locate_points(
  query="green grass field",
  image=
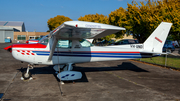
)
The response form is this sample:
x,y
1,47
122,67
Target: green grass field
x,y
171,61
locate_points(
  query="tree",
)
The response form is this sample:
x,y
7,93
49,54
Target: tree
x,y
57,21
135,19
118,18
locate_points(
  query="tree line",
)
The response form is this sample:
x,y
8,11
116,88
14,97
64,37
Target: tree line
x,y
140,20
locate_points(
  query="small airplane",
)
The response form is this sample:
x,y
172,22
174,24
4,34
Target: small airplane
x,y
66,45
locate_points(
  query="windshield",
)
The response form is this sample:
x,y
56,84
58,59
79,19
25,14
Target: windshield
x,y
44,40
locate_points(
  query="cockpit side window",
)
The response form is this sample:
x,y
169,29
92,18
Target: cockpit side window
x,y
44,40
64,44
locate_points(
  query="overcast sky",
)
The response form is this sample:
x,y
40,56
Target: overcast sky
x,y
35,13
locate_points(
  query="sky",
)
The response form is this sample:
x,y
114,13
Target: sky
x,y
35,13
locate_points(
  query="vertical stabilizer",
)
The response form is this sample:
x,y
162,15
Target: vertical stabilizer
x,y
156,40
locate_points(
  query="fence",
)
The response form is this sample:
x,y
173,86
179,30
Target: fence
x,y
170,61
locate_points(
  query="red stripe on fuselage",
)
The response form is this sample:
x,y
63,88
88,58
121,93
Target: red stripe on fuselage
x,y
36,45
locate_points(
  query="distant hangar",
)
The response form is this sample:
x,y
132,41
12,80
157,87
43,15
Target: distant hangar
x,y
7,29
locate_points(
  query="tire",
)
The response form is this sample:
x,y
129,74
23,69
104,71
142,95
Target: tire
x,y
25,75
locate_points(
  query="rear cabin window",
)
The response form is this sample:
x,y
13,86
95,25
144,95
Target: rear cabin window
x,y
84,43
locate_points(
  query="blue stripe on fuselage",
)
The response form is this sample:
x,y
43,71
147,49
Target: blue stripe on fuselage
x,y
108,56
89,54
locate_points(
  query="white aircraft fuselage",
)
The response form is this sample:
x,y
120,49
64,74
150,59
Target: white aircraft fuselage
x,y
39,53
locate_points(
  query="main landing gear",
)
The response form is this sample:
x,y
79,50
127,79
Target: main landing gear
x,y
67,74
27,74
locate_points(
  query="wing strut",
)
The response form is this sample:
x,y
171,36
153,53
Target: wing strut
x,y
52,49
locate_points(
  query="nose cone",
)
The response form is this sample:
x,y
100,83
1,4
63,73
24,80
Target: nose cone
x,y
8,48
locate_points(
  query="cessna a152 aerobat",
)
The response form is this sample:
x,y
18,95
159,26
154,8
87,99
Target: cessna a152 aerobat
x,y
66,45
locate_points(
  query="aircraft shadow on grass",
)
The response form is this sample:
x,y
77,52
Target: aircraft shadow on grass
x,y
83,70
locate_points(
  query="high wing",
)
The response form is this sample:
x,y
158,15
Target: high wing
x,y
83,30
75,30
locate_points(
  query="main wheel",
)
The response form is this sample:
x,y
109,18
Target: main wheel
x,y
26,75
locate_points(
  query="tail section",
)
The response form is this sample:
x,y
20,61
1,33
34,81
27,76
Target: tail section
x,y
156,40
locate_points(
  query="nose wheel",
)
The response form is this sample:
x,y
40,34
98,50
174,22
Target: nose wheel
x,y
27,74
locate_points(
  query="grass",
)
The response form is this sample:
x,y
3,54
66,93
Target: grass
x,y
171,61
